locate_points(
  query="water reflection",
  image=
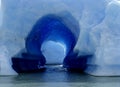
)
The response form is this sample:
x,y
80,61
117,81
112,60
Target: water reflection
x,y
57,74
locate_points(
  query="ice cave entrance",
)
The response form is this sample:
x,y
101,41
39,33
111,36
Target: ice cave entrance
x,y
51,38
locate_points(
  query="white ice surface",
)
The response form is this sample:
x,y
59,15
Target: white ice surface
x,y
5,62
0,14
99,22
105,38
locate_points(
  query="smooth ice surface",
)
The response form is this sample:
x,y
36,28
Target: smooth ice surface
x,y
0,14
99,29
54,52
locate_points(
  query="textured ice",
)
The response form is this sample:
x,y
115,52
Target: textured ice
x,y
5,62
105,38
98,21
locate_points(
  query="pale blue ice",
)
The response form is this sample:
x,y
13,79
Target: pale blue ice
x,y
99,22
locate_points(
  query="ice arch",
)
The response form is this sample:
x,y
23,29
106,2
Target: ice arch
x,y
51,37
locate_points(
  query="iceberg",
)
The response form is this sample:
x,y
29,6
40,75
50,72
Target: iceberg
x,y
105,37
94,24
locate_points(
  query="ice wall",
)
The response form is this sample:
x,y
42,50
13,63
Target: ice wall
x,y
106,39
0,14
20,17
98,21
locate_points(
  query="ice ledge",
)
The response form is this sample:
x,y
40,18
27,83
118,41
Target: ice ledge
x,y
104,70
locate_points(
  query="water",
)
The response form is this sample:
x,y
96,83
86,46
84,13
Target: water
x,y
58,77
